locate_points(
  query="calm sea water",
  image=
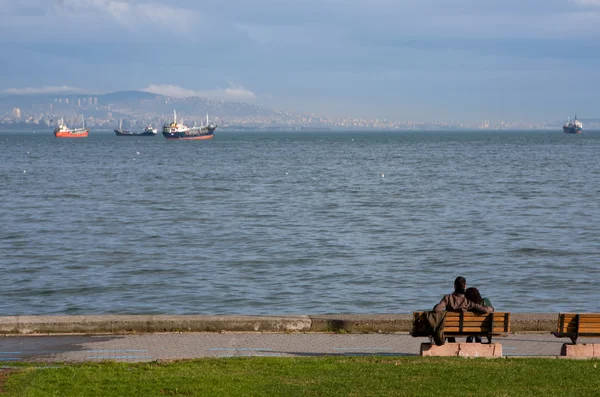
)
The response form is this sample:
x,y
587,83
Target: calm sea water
x,y
298,223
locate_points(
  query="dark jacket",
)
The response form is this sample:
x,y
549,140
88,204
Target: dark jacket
x,y
437,321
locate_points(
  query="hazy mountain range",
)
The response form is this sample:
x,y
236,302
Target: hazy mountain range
x,y
140,108
134,101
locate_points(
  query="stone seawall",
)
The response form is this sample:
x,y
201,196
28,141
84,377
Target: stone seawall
x,y
351,323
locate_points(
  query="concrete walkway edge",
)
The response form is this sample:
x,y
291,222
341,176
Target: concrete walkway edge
x,y
351,323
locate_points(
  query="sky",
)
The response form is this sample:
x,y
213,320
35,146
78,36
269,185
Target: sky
x,y
419,60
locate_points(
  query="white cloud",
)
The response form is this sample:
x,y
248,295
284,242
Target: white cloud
x,y
170,90
236,92
233,92
132,13
587,2
22,8
43,90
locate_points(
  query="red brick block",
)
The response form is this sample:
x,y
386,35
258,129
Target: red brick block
x,y
462,350
583,350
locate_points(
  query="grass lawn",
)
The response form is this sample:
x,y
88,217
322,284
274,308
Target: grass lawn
x,y
322,376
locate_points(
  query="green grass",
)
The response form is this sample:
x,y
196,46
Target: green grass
x,y
324,376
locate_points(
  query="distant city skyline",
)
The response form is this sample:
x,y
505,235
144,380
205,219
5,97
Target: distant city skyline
x,y
136,108
436,60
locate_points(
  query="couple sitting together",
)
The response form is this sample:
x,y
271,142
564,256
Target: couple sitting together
x,y
463,300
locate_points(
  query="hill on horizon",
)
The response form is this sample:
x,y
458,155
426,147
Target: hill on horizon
x,y
134,101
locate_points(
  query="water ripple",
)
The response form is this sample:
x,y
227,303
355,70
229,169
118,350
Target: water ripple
x,y
265,223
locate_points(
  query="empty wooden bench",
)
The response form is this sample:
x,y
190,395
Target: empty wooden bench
x,y
465,324
575,326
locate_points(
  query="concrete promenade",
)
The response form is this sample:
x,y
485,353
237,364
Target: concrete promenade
x,y
54,339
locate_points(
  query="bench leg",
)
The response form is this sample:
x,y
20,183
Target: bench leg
x,y
473,339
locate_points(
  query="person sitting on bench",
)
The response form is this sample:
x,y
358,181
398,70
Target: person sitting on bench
x,y
472,294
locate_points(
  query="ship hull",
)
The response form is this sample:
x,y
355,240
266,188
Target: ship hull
x,y
572,130
71,134
129,133
189,135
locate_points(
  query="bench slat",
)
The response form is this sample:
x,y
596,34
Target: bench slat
x,y
496,327
581,328
456,332
478,330
590,330
589,320
468,320
580,314
587,316
471,314
583,321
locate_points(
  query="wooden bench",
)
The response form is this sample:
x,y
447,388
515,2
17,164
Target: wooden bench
x,y
574,326
465,324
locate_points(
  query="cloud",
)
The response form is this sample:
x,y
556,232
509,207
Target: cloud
x,y
233,92
236,92
131,14
303,50
22,8
170,90
42,90
595,3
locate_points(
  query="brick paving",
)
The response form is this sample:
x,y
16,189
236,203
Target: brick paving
x,y
176,346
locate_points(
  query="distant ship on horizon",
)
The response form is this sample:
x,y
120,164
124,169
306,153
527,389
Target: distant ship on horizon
x,y
62,131
174,130
148,131
573,126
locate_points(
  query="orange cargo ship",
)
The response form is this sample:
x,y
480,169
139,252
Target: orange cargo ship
x,y
62,131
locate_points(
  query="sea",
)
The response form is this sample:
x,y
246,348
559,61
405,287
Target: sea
x,y
284,223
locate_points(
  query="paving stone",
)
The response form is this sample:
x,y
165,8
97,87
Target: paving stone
x,y
177,346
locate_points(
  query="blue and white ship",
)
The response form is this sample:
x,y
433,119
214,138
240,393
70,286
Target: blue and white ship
x,y
573,127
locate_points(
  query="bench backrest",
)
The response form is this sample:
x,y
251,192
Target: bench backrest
x,y
468,323
582,324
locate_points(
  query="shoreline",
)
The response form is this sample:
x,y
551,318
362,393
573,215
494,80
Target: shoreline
x,y
342,323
